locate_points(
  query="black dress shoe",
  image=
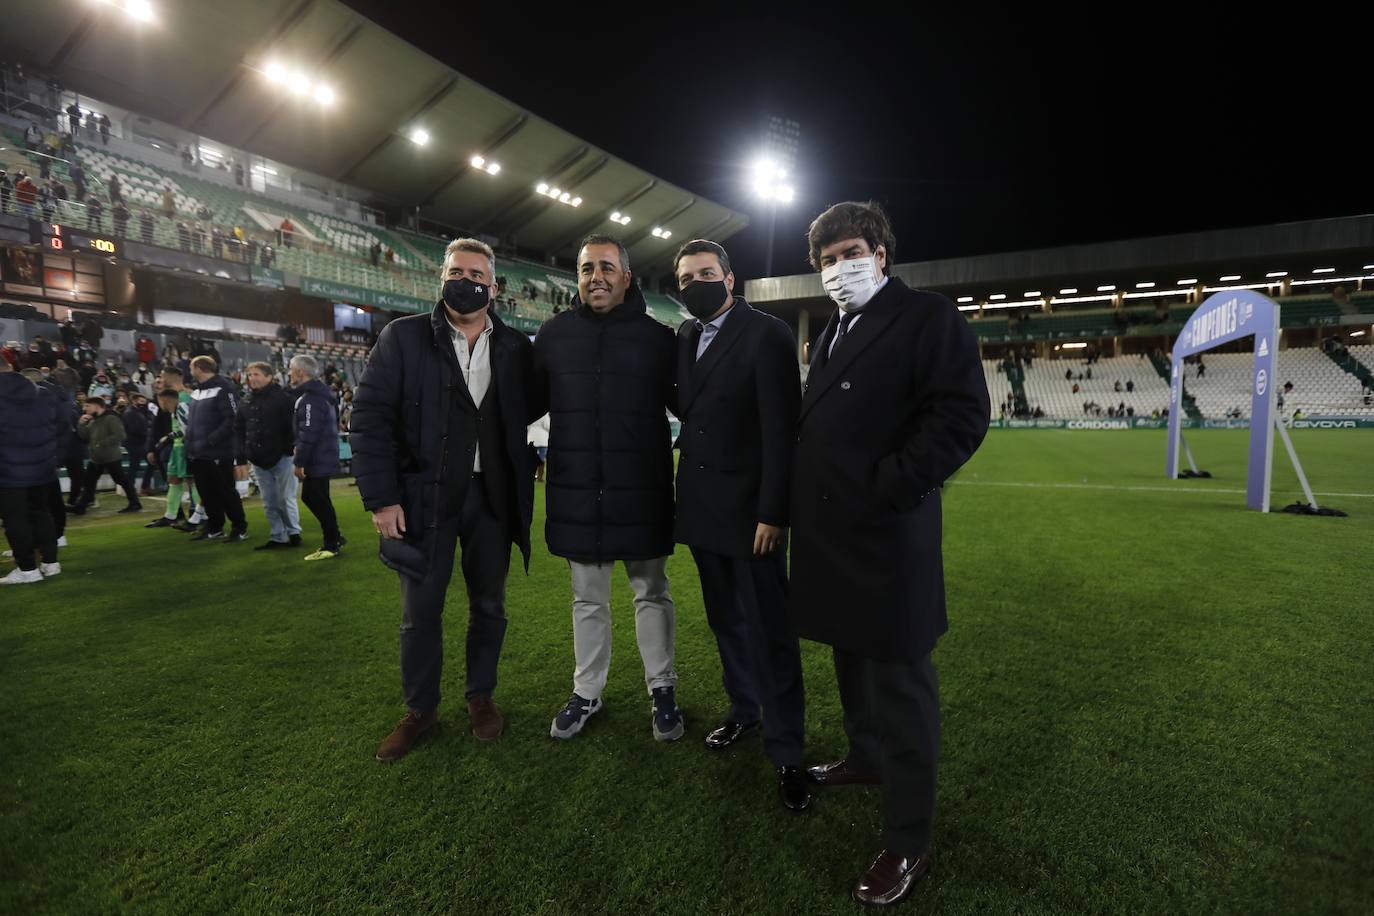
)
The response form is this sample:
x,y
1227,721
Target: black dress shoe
x,y
163,522
839,773
727,733
131,507
794,789
890,878
236,536
204,534
295,540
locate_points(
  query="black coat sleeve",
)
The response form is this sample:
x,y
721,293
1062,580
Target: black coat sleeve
x,y
537,393
377,432
777,381
227,407
952,409
241,433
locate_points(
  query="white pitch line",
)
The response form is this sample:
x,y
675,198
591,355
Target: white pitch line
x,y
1101,486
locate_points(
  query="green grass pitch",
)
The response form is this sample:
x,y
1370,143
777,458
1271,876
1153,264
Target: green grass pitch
x,y
1154,701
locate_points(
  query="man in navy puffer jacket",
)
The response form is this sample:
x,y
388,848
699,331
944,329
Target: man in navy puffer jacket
x,y
211,451
317,449
28,463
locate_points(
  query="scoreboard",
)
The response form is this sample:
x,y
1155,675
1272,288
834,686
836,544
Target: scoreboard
x,y
79,241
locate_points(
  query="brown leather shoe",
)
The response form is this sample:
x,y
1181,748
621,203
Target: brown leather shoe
x,y
487,721
829,775
404,736
890,878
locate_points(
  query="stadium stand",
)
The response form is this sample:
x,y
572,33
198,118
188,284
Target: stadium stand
x,y
1048,390
1320,387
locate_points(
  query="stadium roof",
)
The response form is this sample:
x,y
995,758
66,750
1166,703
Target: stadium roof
x,y
1302,251
201,65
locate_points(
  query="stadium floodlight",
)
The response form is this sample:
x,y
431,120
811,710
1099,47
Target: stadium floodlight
x,y
139,10
1368,267
1068,292
577,201
1276,273
768,181
667,234
997,297
323,94
1192,282
1144,286
298,83
1106,289
275,72
477,162
419,136
554,192
1323,270
1357,333
1031,293
655,232
965,298
621,218
1229,278
968,308
1074,346
542,187
564,197
493,168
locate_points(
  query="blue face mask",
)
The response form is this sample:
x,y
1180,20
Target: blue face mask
x,y
464,296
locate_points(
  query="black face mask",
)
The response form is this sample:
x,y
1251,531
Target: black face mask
x,y
464,296
704,298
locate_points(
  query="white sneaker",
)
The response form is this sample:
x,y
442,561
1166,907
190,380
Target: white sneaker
x,y
22,577
49,569
62,541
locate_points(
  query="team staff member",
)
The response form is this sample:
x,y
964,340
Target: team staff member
x,y
439,452
738,396
317,449
211,451
606,368
895,403
29,418
265,430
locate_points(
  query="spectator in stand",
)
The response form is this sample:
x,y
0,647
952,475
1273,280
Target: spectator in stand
x,y
188,158
47,201
1130,386
1201,368
317,450
216,242
287,231
29,418
6,191
269,256
74,117
121,219
33,138
390,257
374,252
135,418
114,189
146,350
101,430
265,428
211,451
25,194
102,386
78,177
238,173
169,203
95,214
104,120
145,225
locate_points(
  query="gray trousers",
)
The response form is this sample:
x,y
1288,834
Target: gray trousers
x,y
655,623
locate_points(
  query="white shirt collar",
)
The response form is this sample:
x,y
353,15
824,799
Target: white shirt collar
x,y
454,329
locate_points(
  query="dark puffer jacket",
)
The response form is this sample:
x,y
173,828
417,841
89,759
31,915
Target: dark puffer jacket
x,y
28,433
265,425
317,429
610,381
211,432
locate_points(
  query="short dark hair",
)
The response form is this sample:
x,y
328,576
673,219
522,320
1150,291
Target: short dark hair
x,y
852,220
703,246
168,393
597,238
96,400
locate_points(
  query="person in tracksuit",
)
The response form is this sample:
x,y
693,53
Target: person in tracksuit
x,y
317,449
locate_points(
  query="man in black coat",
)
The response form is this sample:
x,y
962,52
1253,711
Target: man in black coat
x,y
738,396
894,404
607,370
211,452
265,430
438,437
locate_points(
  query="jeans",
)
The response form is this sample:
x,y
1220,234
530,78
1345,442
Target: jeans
x,y
278,486
655,623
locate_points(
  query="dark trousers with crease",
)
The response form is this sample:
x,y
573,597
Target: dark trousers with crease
x,y
760,658
28,524
218,493
315,495
484,536
892,719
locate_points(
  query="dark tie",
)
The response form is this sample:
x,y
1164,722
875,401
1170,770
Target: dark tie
x,y
845,321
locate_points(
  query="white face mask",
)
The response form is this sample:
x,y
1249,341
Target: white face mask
x,y
851,283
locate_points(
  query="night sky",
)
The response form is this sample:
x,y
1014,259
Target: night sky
x,y
978,134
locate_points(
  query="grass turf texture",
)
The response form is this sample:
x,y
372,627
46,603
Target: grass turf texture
x,y
1153,702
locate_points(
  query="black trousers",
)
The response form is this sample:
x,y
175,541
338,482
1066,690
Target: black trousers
x,y
485,539
75,479
218,495
760,658
57,508
892,718
28,524
117,474
315,495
